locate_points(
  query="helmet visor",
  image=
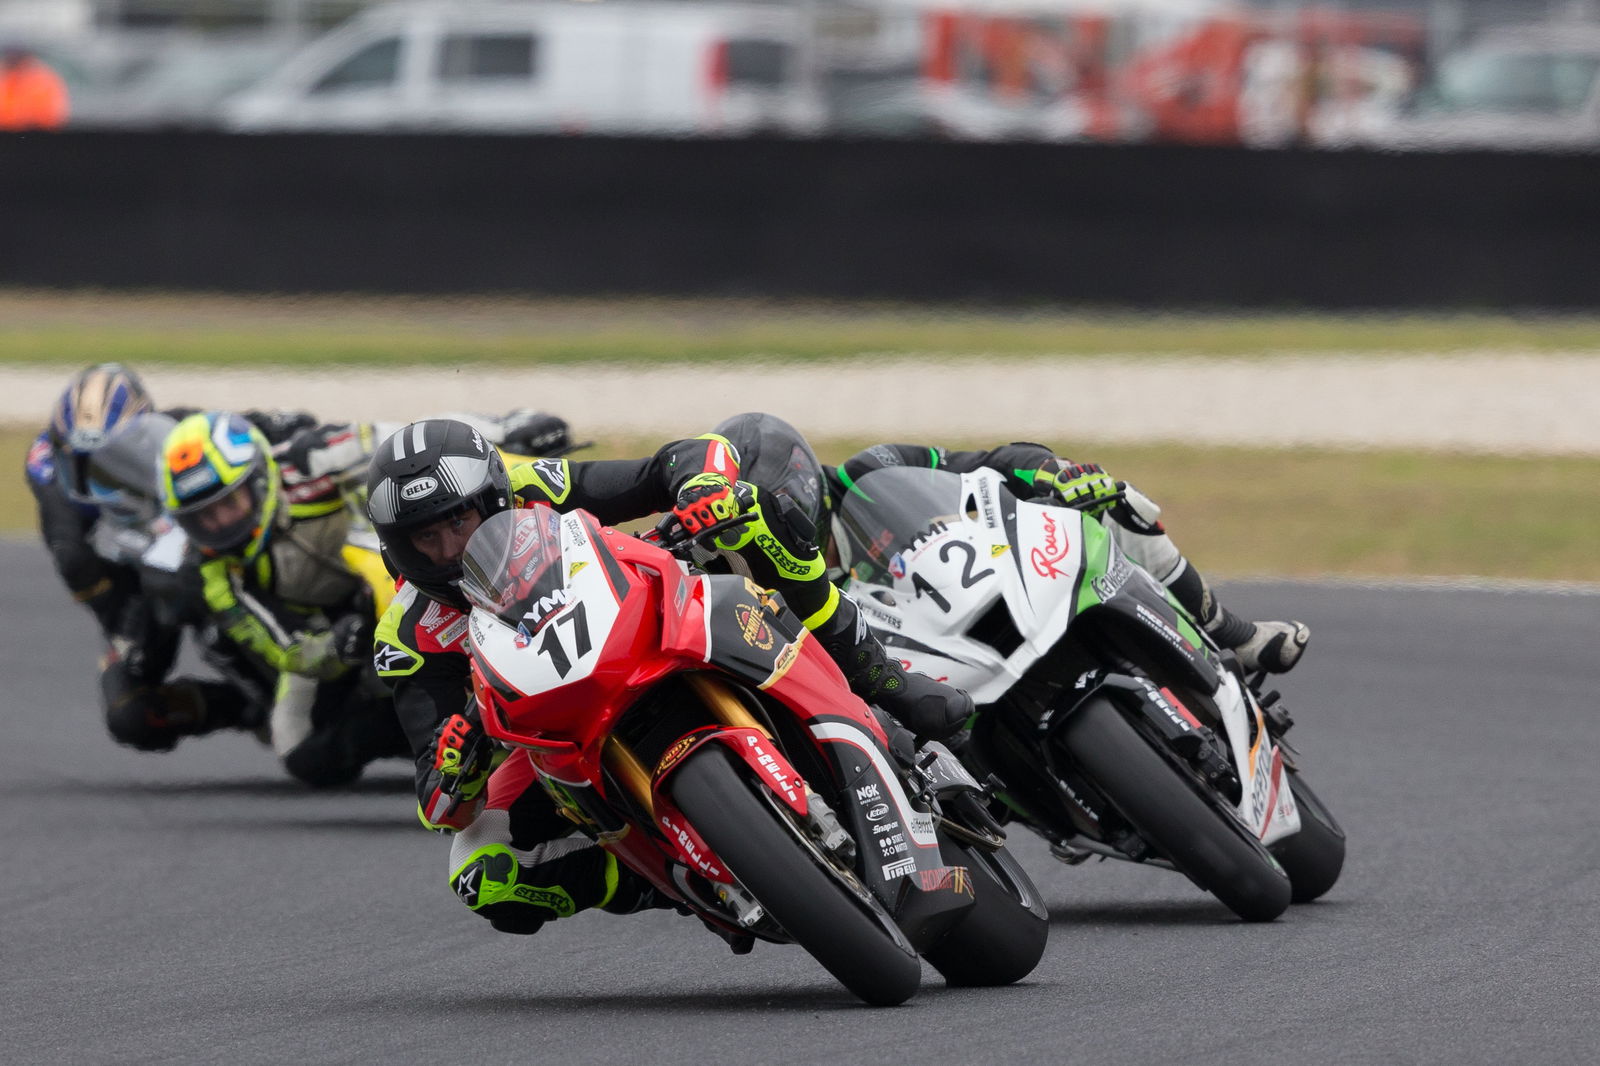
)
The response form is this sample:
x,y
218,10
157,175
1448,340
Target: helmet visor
x,y
125,474
226,523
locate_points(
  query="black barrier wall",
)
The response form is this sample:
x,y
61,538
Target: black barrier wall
x,y
1143,226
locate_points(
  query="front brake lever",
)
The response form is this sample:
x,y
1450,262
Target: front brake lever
x,y
673,537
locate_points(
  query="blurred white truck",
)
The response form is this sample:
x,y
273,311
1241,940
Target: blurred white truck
x,y
1519,87
607,66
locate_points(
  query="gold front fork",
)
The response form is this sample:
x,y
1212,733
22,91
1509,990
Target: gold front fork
x,y
724,707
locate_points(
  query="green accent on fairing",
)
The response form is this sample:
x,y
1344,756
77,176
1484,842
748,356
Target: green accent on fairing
x,y
552,898
526,475
850,486
1186,625
1016,805
388,632
1096,561
612,880
826,611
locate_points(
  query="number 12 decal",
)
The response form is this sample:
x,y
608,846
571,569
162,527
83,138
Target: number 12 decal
x,y
968,578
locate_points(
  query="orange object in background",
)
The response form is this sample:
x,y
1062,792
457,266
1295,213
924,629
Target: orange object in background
x,y
32,96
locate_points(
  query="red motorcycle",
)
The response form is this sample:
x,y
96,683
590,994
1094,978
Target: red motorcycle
x,y
688,723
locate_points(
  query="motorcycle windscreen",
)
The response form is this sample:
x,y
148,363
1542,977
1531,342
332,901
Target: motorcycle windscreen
x,y
123,474
512,565
887,513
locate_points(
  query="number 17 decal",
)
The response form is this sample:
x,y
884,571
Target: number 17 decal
x,y
551,644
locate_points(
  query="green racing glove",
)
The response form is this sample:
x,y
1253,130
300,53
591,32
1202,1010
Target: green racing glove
x,y
1084,486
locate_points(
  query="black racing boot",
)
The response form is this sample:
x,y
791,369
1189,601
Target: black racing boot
x,y
929,709
1271,646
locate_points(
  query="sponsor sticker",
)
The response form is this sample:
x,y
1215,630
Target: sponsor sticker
x,y
900,868
1054,549
389,658
670,757
419,487
753,626
453,632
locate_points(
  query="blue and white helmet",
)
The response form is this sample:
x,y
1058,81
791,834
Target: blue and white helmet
x,y
98,402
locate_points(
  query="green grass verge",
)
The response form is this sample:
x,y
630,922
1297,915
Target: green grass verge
x,y
72,329
1238,511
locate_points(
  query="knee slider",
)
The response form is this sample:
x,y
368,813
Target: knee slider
x,y
135,714
135,720
315,765
491,885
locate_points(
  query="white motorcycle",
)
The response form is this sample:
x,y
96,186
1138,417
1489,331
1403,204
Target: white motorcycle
x,y
1108,721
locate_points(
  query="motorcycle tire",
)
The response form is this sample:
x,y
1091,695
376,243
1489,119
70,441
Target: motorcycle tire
x,y
1002,938
1166,807
865,951
1314,856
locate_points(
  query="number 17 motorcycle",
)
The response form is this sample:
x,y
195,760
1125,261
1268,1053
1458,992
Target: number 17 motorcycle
x,y
1107,720
688,723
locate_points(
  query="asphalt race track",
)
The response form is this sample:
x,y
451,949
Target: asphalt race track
x,y
198,907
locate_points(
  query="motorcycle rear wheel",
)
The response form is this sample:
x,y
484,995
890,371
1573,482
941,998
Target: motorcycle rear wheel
x,y
865,951
1313,857
1211,847
1002,938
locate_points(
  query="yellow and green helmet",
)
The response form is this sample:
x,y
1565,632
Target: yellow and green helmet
x,y
220,482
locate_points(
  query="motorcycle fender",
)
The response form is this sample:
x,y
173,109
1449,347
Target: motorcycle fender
x,y
766,762
1268,806
1142,613
686,844
1138,694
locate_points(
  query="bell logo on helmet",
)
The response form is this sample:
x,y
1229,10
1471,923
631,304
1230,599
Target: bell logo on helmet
x,y
418,487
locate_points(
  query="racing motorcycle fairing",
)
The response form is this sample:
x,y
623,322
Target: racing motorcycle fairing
x,y
970,585
573,624
979,594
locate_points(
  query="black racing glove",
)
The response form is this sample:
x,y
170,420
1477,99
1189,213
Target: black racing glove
x,y
352,639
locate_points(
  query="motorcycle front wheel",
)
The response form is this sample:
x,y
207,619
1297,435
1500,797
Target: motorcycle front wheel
x,y
853,938
1164,804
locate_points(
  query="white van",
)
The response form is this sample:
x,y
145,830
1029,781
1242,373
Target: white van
x,y
1517,88
608,66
